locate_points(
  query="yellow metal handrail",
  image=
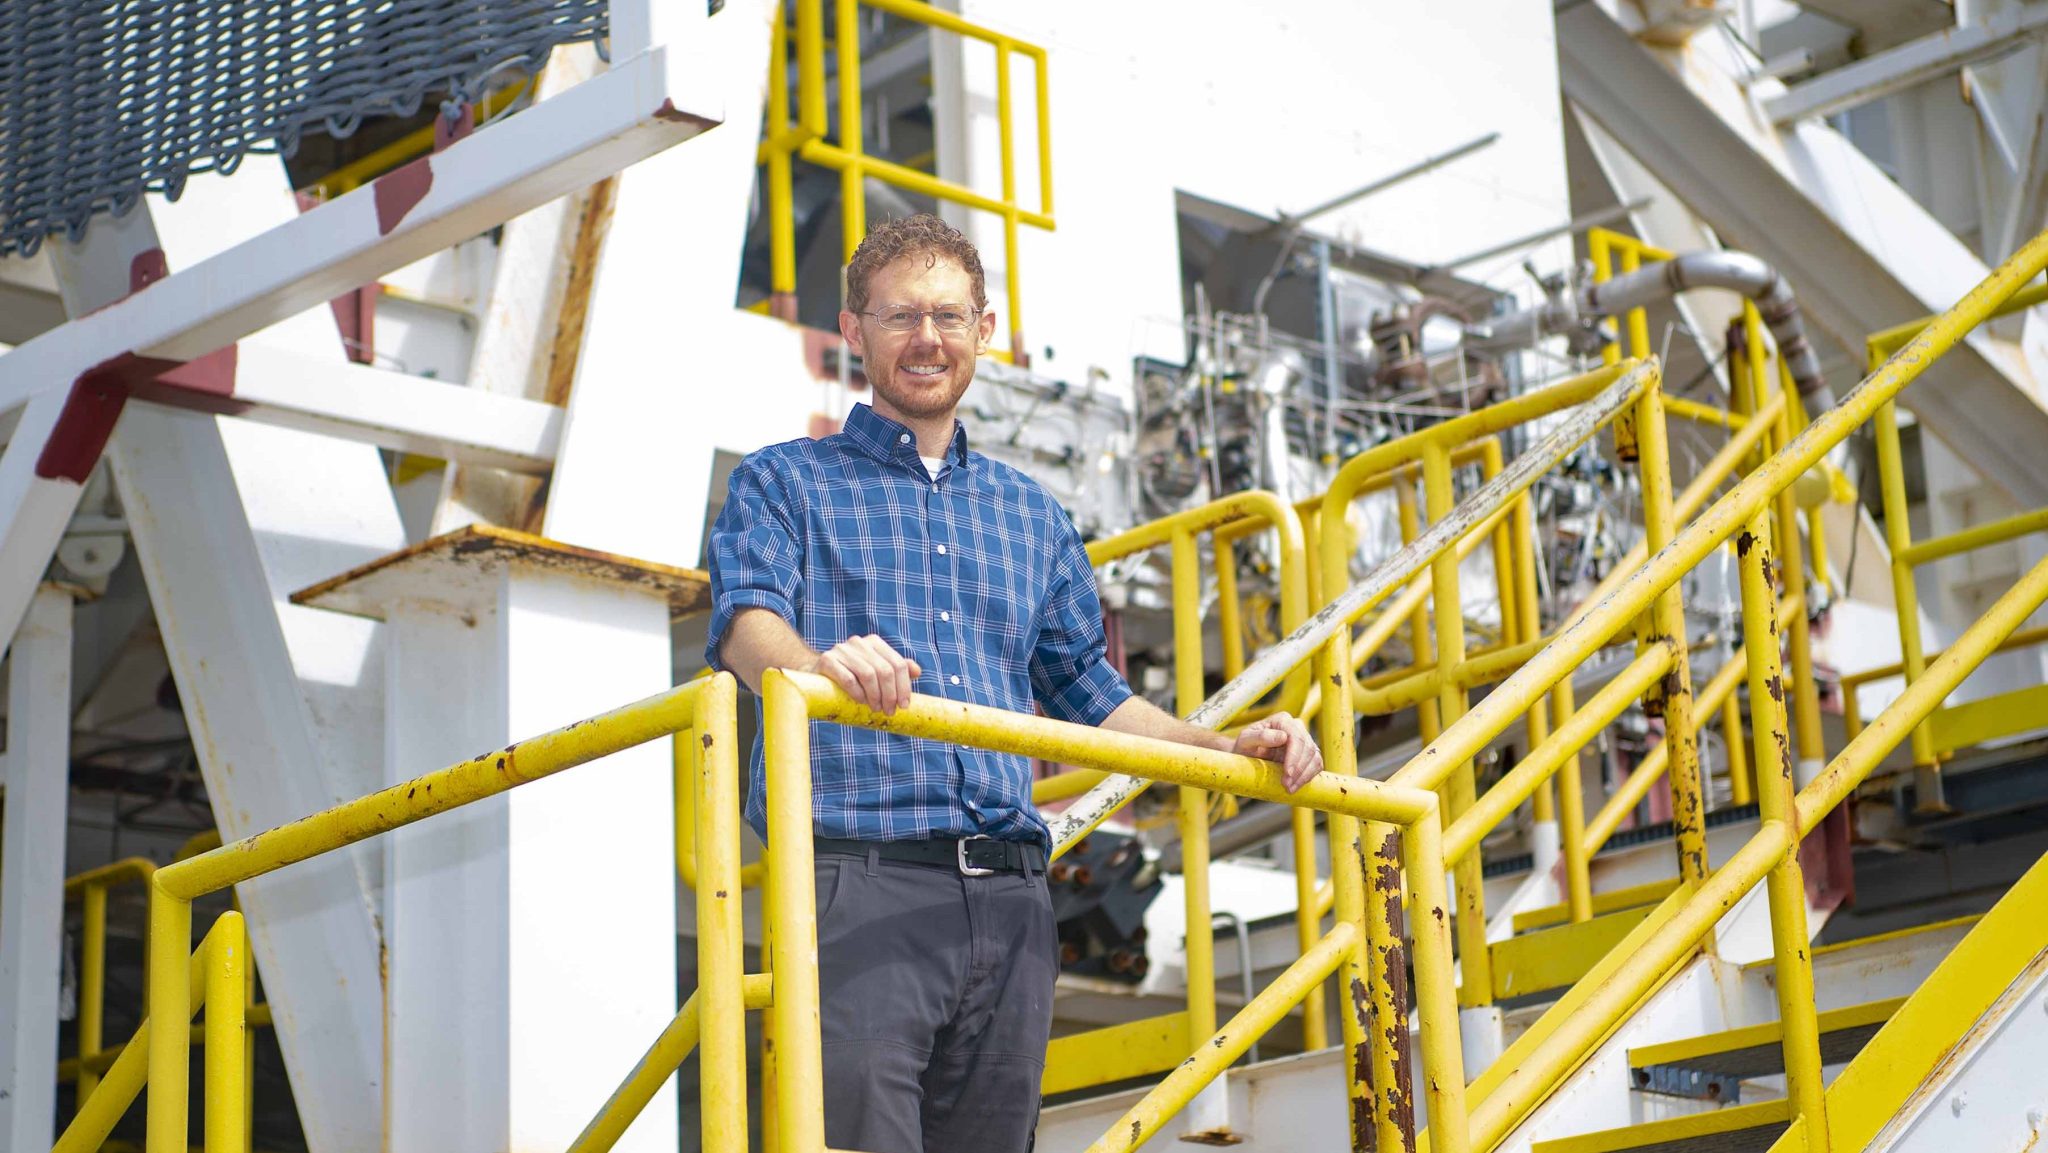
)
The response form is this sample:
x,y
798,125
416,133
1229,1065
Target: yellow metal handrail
x,y
792,700
706,706
215,978
1539,1061
785,140
90,890
1226,519
2020,713
1431,448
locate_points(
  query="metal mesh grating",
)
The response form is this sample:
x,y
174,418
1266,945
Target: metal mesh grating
x,y
103,100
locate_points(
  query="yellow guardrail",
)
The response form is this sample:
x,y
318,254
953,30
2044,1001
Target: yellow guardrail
x,y
2005,714
793,700
89,891
804,138
1540,1060
160,1056
1225,520
1751,377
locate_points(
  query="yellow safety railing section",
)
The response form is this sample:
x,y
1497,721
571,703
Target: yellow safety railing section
x,y
1948,729
1104,1055
1540,1060
1751,377
216,975
805,138
793,700
88,890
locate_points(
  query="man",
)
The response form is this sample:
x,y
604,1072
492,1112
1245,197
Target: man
x,y
891,559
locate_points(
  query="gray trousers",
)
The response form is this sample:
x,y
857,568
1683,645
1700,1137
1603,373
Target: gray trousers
x,y
935,991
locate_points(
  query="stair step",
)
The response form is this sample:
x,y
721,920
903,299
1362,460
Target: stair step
x,y
1734,1129
1931,927
1619,899
1556,958
1713,1064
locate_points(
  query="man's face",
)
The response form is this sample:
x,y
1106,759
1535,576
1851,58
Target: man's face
x,y
920,374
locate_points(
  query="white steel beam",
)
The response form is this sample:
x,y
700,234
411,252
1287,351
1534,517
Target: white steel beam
x,y
38,777
273,385
693,199
312,929
1862,256
1909,65
642,106
527,316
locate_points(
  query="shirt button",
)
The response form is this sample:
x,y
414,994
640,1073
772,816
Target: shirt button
x,y
945,616
956,680
942,550
904,439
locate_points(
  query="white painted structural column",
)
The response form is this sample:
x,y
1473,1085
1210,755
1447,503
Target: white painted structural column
x,y
531,938
38,773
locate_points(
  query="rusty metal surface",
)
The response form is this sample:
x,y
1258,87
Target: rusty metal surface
x,y
449,566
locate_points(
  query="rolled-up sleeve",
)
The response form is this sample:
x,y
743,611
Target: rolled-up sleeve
x,y
1070,671
755,554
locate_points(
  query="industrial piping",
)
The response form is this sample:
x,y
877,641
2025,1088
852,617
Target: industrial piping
x,y
1734,271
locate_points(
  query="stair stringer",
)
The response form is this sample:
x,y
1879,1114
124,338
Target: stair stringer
x,y
1989,1093
1958,1065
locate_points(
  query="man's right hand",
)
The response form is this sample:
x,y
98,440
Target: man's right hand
x,y
870,672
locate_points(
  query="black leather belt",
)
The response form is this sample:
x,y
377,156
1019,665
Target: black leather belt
x,y
972,856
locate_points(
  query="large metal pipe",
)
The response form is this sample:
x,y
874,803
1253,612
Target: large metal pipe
x,y
1734,271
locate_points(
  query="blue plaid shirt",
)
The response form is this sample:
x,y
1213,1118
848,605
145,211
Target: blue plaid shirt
x,y
977,575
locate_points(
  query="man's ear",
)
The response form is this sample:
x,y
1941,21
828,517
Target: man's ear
x,y
984,331
849,330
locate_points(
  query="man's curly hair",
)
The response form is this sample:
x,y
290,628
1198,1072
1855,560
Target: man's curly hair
x,y
921,235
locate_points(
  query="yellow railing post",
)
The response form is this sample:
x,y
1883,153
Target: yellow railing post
x,y
1672,698
1906,598
1421,645
1529,614
1741,789
1372,982
1194,803
853,189
170,1004
792,918
721,938
1776,788
227,1091
1803,699
92,987
1460,789
781,191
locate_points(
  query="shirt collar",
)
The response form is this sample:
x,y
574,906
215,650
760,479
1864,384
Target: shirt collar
x,y
887,440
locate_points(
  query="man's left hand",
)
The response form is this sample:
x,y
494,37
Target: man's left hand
x,y
1284,740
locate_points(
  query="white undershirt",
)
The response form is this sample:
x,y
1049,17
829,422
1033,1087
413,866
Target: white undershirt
x,y
932,465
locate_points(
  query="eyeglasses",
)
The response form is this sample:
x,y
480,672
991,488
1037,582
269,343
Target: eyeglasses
x,y
945,318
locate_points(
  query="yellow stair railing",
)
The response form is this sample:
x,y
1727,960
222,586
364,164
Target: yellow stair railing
x,y
1948,729
805,138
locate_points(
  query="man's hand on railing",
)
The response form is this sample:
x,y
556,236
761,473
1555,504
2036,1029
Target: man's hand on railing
x,y
1285,741
870,672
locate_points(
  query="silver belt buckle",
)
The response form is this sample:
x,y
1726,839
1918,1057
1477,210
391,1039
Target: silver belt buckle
x,y
960,854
